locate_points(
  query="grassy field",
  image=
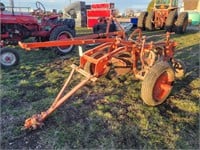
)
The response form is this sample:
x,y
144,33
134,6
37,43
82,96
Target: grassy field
x,y
102,115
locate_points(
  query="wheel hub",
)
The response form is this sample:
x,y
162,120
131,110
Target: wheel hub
x,y
8,59
64,36
162,87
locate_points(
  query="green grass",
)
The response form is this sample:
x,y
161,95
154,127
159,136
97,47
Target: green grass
x,y
102,115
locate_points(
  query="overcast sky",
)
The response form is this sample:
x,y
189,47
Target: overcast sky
x,y
60,4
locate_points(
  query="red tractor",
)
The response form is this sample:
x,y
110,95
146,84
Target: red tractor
x,y
17,26
164,16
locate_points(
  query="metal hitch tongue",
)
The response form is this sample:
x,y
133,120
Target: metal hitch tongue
x,y
37,120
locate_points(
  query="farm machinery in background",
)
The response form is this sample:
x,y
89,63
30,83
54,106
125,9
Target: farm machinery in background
x,y
44,26
164,16
151,62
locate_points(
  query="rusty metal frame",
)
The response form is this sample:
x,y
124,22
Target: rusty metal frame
x,y
113,45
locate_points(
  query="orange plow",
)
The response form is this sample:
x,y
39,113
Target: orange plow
x,y
152,62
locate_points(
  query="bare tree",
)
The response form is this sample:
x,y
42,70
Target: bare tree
x,y
116,12
129,12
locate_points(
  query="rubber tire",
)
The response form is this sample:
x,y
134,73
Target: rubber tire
x,y
69,22
100,28
170,21
148,23
150,80
54,36
182,23
15,54
141,20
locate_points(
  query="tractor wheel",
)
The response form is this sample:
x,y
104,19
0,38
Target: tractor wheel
x,y
141,20
90,67
99,28
182,23
157,84
179,68
149,21
62,33
70,23
8,57
170,21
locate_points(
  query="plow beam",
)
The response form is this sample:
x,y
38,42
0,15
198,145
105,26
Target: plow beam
x,y
90,39
37,120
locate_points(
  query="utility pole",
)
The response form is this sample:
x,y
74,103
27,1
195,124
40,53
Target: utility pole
x,y
11,5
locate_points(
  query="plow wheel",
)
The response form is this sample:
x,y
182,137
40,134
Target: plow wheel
x,y
122,63
179,68
91,67
157,84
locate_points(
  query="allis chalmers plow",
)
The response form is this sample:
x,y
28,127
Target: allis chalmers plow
x,y
151,62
